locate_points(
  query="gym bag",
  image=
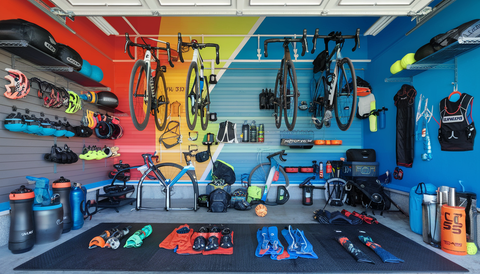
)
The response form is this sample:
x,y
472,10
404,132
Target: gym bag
x,y
36,36
69,56
222,170
219,200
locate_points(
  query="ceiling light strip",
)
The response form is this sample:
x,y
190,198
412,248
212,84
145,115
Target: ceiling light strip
x,y
378,26
103,25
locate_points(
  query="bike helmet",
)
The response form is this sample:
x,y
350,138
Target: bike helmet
x,y
103,130
74,103
15,122
70,131
117,131
60,129
33,124
19,85
83,131
47,128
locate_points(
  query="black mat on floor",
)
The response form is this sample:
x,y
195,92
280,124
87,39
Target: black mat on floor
x,y
75,255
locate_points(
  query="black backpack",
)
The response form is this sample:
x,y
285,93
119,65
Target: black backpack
x,y
219,200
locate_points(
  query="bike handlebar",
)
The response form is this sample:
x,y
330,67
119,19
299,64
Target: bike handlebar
x,y
146,46
337,37
280,155
196,45
286,41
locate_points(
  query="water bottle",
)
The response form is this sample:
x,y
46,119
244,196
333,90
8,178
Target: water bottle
x,y
329,169
261,132
382,118
320,172
245,132
78,197
22,230
63,187
253,132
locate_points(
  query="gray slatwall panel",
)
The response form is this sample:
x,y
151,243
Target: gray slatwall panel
x,y
21,154
236,98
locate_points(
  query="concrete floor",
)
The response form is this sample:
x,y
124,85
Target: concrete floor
x,y
293,211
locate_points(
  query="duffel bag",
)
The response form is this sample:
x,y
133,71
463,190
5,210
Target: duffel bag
x,y
36,36
69,56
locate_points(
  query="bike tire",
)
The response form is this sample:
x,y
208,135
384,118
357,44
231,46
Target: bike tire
x,y
319,100
192,91
259,174
204,107
169,171
277,101
139,94
345,100
290,98
161,101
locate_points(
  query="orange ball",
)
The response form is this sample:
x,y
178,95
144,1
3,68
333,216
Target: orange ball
x,y
261,210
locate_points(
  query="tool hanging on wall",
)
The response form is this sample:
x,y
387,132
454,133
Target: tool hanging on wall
x,y
422,132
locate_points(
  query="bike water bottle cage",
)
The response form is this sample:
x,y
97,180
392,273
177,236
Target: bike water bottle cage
x,y
192,135
19,85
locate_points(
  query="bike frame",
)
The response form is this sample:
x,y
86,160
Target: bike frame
x,y
166,183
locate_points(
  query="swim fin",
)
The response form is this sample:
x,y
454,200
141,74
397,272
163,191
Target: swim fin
x,y
386,256
136,240
356,253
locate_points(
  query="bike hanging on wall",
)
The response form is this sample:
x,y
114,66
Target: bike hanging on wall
x,y
337,88
148,89
286,87
197,94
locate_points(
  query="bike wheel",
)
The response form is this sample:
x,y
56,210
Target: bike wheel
x,y
204,106
318,102
345,101
290,95
259,175
160,103
277,101
192,91
139,95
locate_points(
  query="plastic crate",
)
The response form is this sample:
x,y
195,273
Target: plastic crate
x,y
359,169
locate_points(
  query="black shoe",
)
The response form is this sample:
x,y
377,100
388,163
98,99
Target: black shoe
x,y
212,243
226,241
203,229
215,229
199,243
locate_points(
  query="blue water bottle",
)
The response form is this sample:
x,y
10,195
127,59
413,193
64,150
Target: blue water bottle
x,y
382,118
78,197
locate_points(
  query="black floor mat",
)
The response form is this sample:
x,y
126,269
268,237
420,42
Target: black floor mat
x,y
75,255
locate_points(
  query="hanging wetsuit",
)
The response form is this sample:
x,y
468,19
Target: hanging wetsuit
x,y
457,131
405,140
227,132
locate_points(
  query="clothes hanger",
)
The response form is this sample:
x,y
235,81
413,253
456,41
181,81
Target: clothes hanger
x,y
455,95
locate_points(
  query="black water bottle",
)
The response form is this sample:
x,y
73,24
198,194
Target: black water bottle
x,y
307,195
253,132
63,187
245,132
22,229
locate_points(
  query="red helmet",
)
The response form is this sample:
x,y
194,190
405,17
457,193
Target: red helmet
x,y
18,87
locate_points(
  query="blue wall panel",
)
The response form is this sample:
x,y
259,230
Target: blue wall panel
x,y
446,168
236,97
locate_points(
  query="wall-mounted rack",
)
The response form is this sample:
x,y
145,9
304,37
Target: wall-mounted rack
x,y
436,60
44,61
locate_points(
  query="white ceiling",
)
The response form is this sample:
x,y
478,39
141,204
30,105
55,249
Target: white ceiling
x,y
241,7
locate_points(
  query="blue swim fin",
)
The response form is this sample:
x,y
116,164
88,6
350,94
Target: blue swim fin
x,y
263,242
386,256
298,245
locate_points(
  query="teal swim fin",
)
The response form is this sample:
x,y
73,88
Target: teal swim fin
x,y
136,240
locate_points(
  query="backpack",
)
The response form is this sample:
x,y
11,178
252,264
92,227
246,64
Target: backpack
x,y
223,171
219,200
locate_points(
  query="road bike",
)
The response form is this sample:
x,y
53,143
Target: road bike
x,y
147,89
197,93
286,88
336,89
167,175
269,172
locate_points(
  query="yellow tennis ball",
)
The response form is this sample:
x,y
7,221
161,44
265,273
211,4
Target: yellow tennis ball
x,y
396,67
261,210
408,60
471,248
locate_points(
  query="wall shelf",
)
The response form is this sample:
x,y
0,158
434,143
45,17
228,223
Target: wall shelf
x,y
22,49
436,60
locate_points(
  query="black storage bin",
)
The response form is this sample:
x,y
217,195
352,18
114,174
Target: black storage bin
x,y
361,155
